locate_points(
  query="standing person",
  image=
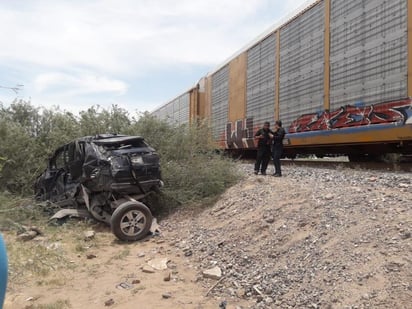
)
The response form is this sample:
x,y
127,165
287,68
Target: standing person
x,y
277,148
264,137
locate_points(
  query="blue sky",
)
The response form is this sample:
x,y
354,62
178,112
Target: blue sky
x,y
137,54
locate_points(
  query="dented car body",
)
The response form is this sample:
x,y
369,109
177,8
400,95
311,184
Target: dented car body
x,y
109,175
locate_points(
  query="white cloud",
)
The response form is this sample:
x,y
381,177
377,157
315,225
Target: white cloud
x,y
77,84
74,105
79,47
115,35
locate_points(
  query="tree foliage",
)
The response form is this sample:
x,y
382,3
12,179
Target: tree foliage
x,y
192,169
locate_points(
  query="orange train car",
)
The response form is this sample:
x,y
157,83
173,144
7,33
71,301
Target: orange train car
x,y
338,74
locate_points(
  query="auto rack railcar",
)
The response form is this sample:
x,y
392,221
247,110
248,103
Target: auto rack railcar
x,y
338,75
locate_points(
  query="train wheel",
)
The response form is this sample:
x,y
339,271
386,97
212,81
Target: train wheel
x,y
391,157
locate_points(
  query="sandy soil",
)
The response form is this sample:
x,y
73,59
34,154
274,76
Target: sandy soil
x,y
116,274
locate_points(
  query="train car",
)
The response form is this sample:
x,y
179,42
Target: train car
x,y
181,110
338,75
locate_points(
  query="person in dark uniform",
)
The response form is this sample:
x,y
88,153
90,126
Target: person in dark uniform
x,y
277,147
264,137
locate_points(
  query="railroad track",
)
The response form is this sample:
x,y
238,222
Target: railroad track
x,y
320,163
342,163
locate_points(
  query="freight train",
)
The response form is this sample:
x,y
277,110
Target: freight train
x,y
338,75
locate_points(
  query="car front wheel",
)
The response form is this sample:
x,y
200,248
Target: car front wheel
x,y
131,221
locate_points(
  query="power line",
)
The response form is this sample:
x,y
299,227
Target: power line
x,y
16,88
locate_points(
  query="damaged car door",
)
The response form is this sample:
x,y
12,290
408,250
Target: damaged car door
x,y
56,183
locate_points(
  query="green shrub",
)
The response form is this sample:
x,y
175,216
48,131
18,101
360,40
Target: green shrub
x,y
192,168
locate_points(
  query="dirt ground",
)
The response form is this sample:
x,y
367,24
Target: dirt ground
x,y
109,273
312,239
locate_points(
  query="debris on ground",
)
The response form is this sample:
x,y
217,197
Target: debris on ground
x,y
148,269
109,302
88,235
158,263
213,273
124,286
27,233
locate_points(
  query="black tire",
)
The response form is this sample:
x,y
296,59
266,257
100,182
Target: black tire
x,y
131,221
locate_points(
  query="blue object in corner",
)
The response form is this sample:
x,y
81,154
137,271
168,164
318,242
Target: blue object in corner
x,y
3,271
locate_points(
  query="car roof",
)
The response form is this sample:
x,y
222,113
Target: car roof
x,y
115,139
104,139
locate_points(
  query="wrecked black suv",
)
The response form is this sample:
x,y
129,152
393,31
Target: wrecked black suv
x,y
106,176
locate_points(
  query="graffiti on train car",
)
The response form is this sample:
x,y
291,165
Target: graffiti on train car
x,y
355,115
239,134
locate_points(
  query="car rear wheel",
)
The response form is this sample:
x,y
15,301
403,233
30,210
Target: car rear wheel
x,y
131,221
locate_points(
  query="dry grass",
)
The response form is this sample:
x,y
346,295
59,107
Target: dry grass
x,y
50,258
32,258
59,304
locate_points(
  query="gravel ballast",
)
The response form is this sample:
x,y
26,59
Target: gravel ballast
x,y
314,238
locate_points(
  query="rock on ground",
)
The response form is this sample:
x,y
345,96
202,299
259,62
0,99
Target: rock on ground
x,y
315,238
213,273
